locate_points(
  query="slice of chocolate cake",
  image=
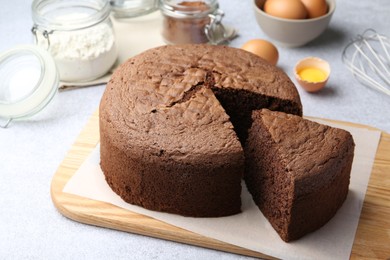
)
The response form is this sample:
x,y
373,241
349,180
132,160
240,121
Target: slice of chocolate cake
x,y
297,171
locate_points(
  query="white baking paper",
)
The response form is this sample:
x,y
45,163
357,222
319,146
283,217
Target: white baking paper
x,y
250,229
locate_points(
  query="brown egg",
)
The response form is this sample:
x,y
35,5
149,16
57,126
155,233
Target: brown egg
x,y
263,49
315,8
288,9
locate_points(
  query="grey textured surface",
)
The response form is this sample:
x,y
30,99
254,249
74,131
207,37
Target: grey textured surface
x,y
31,150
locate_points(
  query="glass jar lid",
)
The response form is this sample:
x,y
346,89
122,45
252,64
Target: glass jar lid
x,y
188,9
29,81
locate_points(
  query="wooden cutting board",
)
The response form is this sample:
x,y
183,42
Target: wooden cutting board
x,y
372,239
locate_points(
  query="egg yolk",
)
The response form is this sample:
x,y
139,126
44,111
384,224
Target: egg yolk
x,y
312,75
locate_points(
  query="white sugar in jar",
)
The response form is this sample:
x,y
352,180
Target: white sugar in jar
x,y
78,34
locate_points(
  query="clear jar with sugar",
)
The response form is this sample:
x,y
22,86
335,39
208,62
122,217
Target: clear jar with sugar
x,y
78,34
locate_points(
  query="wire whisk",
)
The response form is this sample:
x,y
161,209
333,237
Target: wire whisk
x,y
368,58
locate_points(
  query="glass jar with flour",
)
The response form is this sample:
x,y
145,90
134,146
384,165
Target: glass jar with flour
x,y
78,34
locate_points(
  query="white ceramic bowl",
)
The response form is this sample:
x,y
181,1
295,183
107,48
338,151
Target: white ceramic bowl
x,y
292,32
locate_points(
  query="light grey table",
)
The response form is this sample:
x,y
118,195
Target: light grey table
x,y
31,150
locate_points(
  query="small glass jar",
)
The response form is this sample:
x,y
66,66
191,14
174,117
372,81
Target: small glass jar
x,y
78,34
192,21
133,8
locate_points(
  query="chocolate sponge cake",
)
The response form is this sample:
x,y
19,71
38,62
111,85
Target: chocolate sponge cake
x,y
173,120
297,171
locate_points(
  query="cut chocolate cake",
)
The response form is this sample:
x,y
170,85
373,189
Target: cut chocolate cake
x,y
297,171
170,123
180,124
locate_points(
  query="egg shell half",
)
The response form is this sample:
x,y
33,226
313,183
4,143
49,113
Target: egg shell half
x,y
312,62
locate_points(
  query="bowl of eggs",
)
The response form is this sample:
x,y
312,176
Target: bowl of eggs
x,y
293,23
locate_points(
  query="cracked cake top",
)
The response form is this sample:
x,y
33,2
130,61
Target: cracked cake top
x,y
163,98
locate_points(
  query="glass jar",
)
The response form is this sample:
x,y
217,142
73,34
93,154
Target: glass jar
x,y
78,34
192,21
133,8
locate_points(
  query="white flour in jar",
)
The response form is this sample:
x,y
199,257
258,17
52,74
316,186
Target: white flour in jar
x,y
82,55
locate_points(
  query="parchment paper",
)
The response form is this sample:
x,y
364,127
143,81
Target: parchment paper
x,y
250,229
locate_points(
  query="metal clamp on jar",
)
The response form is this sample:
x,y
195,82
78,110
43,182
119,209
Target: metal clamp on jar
x,y
193,22
78,34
